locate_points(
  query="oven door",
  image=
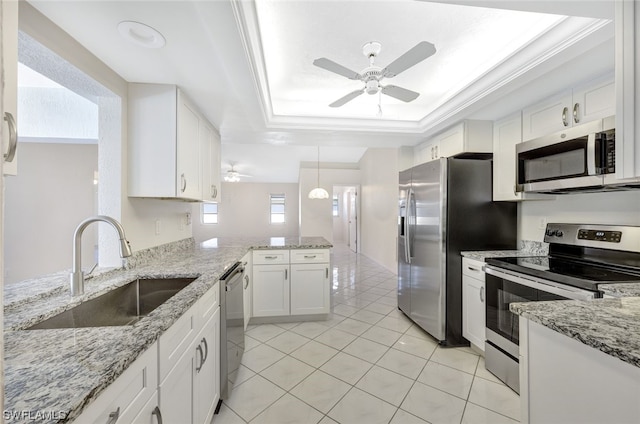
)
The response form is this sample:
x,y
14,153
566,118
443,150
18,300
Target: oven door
x,y
502,332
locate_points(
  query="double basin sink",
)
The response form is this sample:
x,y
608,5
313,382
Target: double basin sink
x,y
125,305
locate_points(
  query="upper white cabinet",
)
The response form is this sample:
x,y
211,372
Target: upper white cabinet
x,y
627,89
210,149
586,103
10,93
469,136
173,151
507,133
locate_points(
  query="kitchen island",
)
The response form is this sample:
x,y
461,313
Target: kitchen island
x,y
55,374
580,360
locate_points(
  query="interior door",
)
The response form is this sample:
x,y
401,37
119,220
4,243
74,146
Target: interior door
x,y
353,220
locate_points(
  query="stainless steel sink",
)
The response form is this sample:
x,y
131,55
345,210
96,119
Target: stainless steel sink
x,y
123,306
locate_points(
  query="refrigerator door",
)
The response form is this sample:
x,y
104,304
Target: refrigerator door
x,y
427,248
404,267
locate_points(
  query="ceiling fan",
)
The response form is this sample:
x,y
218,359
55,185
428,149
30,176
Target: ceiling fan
x,y
372,75
233,176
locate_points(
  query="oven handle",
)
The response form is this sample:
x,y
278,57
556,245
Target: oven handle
x,y
543,285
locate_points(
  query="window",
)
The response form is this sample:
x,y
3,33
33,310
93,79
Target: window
x,y
277,208
209,213
336,210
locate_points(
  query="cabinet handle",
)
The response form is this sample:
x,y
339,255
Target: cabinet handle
x,y
286,273
271,257
199,366
473,269
482,294
206,351
310,256
246,281
113,417
13,137
327,272
436,152
565,111
158,414
576,112
214,191
183,183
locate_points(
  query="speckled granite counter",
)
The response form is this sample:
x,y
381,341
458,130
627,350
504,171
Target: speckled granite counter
x,y
60,371
527,248
621,289
609,325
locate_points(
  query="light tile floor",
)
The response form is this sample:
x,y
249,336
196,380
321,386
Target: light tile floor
x,y
367,364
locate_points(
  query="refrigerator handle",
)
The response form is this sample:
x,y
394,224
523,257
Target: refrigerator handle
x,y
407,223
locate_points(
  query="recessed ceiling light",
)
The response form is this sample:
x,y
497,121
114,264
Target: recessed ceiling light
x,y
141,34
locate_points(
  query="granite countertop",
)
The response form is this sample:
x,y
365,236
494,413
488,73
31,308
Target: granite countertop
x,y
621,289
527,248
609,325
61,371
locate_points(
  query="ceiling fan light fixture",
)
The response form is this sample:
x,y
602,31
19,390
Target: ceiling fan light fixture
x,y
232,177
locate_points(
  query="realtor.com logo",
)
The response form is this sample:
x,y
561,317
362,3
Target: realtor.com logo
x,y
12,415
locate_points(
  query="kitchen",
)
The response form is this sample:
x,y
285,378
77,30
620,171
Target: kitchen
x,y
376,174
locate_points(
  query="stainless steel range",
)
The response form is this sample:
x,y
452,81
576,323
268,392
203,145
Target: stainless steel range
x,y
581,258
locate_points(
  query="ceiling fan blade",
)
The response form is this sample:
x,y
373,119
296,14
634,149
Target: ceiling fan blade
x,y
336,68
346,98
400,93
415,55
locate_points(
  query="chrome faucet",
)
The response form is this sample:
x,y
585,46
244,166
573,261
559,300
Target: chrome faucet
x,y
77,276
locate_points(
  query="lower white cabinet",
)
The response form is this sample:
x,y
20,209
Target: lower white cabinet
x,y
309,289
206,373
473,302
247,287
128,398
270,290
150,413
294,282
176,391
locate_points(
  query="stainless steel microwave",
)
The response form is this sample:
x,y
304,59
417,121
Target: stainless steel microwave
x,y
573,159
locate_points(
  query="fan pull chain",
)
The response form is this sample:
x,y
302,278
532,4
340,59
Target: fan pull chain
x,y
379,103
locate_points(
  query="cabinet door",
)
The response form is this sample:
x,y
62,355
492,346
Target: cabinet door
x,y
270,290
473,311
10,90
176,391
309,289
188,175
548,116
451,142
207,371
247,287
595,101
506,134
210,150
149,414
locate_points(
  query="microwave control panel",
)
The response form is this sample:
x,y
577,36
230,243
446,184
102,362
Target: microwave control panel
x,y
600,235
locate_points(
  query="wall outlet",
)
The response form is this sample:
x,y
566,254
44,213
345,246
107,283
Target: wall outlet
x,y
158,227
542,223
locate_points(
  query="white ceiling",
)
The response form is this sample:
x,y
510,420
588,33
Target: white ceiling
x,y
250,68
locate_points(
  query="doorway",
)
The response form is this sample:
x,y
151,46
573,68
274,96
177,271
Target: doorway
x,y
346,211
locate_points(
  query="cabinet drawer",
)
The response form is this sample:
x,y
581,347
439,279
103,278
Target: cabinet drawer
x,y
129,393
268,257
173,343
473,268
208,305
309,256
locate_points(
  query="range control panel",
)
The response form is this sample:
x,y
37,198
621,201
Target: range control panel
x,y
600,235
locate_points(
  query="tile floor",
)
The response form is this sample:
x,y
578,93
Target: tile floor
x,y
367,364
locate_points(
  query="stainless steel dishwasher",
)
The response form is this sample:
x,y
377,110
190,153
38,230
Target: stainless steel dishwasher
x,y
231,327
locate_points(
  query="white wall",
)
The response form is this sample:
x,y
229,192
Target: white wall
x,y
244,211
138,216
52,193
621,208
315,215
379,199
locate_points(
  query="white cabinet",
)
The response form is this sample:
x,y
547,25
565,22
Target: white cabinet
x,y
210,150
592,101
469,136
189,363
565,381
129,397
290,282
10,89
627,89
247,287
507,133
164,143
473,302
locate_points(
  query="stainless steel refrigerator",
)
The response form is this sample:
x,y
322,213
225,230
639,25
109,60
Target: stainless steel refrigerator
x,y
445,207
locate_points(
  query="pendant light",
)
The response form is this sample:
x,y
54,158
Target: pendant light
x,y
318,192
